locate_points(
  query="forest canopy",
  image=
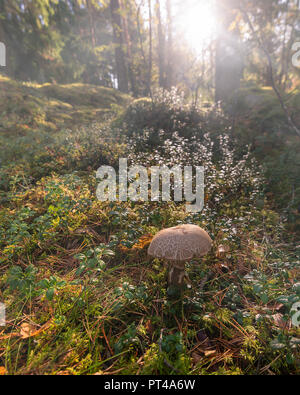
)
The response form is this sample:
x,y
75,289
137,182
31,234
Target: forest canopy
x,y
137,44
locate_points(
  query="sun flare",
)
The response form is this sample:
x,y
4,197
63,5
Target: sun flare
x,y
199,24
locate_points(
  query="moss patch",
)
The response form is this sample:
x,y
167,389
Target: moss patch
x,y
29,107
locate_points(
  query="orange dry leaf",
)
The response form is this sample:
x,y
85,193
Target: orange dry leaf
x,y
29,330
3,371
142,242
139,245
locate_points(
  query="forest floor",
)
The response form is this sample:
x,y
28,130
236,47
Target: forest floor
x,y
81,294
26,107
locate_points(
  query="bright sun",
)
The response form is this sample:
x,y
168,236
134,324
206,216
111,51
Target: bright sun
x,y
199,25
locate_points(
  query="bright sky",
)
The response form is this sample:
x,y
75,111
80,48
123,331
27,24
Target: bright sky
x,y
196,21
198,24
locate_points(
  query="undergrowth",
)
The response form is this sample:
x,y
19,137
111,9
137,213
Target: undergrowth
x,y
81,295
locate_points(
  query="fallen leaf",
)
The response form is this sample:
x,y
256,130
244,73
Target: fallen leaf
x,y
139,245
3,371
142,242
27,330
278,321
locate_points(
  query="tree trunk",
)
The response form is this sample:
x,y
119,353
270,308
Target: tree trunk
x,y
161,47
127,39
169,71
229,62
121,67
150,48
90,9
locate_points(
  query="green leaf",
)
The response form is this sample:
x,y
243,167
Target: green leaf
x,y
43,283
264,298
257,288
50,293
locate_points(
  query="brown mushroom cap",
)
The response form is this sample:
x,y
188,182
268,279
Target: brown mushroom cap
x,y
180,243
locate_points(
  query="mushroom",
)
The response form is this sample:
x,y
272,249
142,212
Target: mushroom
x,y
178,245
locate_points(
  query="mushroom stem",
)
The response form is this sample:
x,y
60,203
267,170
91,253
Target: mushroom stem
x,y
176,275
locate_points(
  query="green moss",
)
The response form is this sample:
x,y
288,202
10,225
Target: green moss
x,y
50,107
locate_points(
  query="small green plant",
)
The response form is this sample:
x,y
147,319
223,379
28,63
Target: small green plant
x,y
128,341
23,281
92,260
50,286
